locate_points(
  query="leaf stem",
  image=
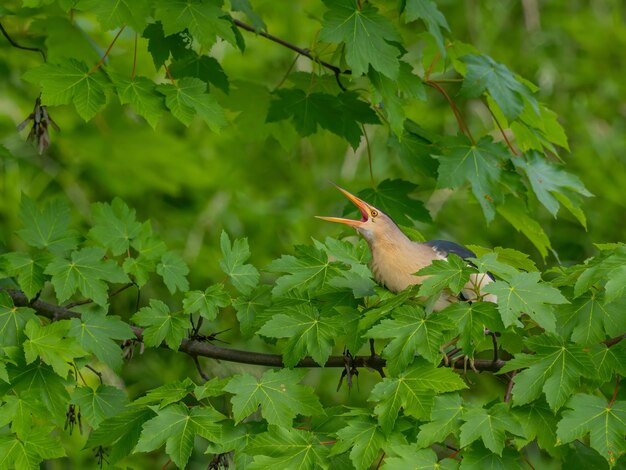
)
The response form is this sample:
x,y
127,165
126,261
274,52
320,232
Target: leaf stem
x,y
506,139
615,392
99,64
369,154
132,77
19,46
457,114
169,75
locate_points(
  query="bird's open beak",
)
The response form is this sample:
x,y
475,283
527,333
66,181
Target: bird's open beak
x,y
362,205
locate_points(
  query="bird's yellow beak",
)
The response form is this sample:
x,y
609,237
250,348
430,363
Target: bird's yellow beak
x,y
363,206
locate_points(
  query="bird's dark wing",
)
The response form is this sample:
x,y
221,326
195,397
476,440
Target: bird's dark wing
x,y
445,247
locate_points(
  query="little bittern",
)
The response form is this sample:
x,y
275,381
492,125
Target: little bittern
x,y
396,259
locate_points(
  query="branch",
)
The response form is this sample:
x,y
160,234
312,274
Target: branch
x,y
304,52
201,348
18,46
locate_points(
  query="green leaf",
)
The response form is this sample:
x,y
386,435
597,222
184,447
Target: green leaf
x,y
47,227
538,422
548,181
604,422
342,115
525,293
307,271
39,383
412,391
206,303
366,35
161,324
114,225
490,426
244,277
98,404
429,13
363,437
477,457
203,67
516,214
590,320
167,394
141,93
51,345
29,271
211,388
412,332
249,307
452,273
188,97
609,361
120,433
287,448
71,81
174,272
178,426
469,320
29,450
479,164
309,333
402,457
392,197
245,7
12,321
504,262
87,271
97,333
204,19
278,394
112,14
445,419
161,46
483,74
555,369
394,93
150,249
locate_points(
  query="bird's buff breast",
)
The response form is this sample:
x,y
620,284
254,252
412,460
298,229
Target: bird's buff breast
x,y
394,267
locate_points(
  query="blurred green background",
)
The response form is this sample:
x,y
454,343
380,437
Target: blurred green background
x,y
263,182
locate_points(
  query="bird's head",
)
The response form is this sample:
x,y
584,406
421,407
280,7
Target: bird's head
x,y
373,225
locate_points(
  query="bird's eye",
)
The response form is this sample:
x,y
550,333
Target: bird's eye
x,y
373,213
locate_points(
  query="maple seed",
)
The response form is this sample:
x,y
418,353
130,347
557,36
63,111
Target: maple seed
x,y
39,132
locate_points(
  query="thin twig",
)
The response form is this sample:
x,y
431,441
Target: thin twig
x,y
99,374
19,46
199,368
509,388
305,52
99,64
615,392
506,139
88,301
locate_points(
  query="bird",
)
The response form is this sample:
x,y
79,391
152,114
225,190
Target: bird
x,y
396,258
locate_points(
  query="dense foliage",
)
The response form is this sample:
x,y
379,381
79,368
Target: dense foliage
x,y
192,115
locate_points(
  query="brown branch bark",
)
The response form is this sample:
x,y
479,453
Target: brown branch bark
x,y
200,348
